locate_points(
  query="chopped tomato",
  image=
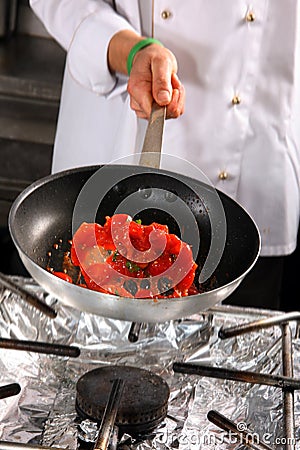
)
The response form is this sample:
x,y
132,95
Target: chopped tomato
x,y
124,266
160,265
193,290
63,276
187,280
143,293
173,244
124,257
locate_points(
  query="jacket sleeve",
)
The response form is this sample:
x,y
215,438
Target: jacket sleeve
x,y
84,29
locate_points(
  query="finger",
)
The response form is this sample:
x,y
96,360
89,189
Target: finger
x,y
162,70
171,112
141,115
176,106
139,109
176,83
134,104
141,99
181,100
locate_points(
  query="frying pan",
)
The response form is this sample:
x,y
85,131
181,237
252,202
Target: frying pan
x,y
52,208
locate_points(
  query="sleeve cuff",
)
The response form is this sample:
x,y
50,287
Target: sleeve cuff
x,y
87,54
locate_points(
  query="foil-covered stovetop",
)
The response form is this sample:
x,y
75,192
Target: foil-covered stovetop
x,y
44,411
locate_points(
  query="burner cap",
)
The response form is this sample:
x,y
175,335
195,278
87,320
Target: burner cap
x,y
144,401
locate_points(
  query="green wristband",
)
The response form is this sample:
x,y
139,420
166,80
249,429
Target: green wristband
x,y
137,47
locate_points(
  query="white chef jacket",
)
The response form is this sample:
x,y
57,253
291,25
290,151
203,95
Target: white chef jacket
x,y
240,65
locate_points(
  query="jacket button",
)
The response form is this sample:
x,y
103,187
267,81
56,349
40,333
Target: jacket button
x,y
250,16
223,175
166,14
236,100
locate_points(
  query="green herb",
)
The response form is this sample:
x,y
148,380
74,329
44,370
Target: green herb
x,y
132,267
139,221
115,255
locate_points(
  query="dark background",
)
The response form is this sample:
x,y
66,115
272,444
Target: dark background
x,y
31,70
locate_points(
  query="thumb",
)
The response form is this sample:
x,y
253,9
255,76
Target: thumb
x,y
161,84
163,96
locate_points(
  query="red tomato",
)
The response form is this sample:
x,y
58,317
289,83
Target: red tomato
x,y
105,240
143,293
159,226
160,265
138,237
96,273
173,244
193,290
187,280
86,237
124,266
63,276
108,257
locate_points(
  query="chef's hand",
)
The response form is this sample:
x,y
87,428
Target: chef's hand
x,y
153,75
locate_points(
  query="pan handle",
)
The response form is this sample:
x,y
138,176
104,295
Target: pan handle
x,y
151,151
150,157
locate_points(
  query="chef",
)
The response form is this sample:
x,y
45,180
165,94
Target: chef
x,y
229,73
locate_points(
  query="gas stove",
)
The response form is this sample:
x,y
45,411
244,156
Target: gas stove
x,y
218,383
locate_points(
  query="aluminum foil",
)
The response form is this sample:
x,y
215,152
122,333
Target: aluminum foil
x,y
44,412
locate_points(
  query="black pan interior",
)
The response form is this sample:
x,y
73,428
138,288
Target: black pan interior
x,y
43,213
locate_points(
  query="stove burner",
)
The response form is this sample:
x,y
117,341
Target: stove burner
x,y
144,401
